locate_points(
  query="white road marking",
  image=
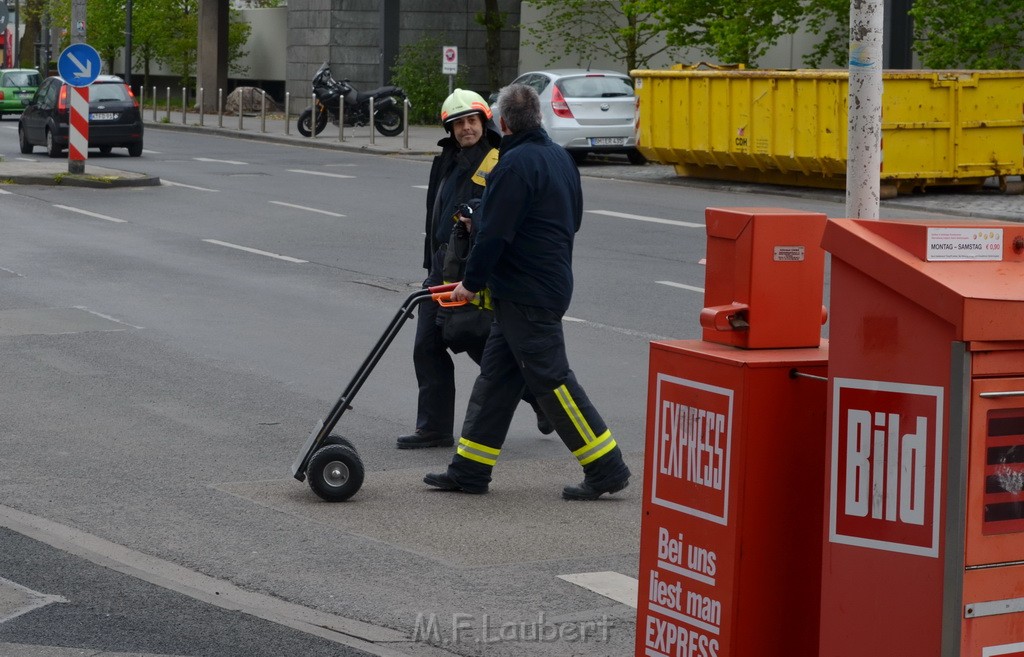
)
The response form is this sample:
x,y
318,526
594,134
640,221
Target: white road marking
x,y
217,592
303,207
90,214
207,159
146,150
616,586
653,220
257,251
616,329
420,187
4,191
25,599
177,184
681,285
321,173
107,317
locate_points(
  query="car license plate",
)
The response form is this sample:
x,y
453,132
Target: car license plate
x,y
607,141
103,116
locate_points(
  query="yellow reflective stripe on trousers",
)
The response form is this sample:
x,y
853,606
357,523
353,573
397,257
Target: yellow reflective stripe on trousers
x,y
595,450
477,452
573,411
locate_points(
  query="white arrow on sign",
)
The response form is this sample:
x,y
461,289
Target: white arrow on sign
x,y
83,71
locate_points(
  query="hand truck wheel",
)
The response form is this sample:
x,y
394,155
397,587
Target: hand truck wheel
x,y
335,472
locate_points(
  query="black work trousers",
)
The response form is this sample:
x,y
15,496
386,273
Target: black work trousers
x,y
526,347
435,370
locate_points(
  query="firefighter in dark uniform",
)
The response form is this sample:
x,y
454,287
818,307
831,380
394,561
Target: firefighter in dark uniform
x,y
525,228
457,177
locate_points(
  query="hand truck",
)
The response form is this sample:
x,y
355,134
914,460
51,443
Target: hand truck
x,y
330,462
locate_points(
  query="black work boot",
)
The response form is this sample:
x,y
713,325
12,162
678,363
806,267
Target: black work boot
x,y
607,474
444,481
422,439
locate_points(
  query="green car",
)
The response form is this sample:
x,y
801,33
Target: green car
x,y
17,86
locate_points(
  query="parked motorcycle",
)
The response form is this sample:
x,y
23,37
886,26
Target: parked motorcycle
x,y
327,96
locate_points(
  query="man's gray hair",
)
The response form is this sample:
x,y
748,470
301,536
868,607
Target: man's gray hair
x,y
519,106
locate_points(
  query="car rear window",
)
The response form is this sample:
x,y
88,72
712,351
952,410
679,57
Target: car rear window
x,y
19,79
100,91
595,86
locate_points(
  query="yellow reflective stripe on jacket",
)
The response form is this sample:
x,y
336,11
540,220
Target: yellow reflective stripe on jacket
x,y
573,411
595,450
477,452
489,162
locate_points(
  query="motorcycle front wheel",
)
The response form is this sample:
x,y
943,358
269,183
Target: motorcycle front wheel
x,y
305,122
389,122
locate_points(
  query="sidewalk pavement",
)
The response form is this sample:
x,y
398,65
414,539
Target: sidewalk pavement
x,y
421,142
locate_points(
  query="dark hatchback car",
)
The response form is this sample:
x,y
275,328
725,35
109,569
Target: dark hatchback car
x,y
114,117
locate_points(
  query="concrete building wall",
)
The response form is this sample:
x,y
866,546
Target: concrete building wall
x,y
348,34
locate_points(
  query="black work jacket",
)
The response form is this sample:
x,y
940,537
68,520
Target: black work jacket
x,y
526,224
450,185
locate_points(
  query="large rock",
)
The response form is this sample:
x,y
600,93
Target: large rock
x,y
249,100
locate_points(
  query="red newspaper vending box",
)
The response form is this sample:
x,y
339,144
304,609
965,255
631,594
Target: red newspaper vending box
x,y
923,552
730,547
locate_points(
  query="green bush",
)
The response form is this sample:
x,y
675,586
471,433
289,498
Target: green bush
x,y
417,70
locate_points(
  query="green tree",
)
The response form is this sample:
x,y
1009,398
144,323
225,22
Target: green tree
x,y
624,30
238,36
981,34
417,71
830,20
730,31
104,21
150,19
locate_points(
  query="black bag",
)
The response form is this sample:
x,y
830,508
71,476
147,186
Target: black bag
x,y
463,327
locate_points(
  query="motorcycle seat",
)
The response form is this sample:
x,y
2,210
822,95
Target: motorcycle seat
x,y
388,90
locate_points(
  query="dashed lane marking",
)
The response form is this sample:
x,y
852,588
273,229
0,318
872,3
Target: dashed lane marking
x,y
177,184
683,286
307,209
653,220
320,173
249,249
95,215
616,586
210,159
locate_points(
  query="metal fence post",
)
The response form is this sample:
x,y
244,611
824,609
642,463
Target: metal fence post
x,y
263,111
405,124
241,101
372,120
154,103
287,112
220,107
167,118
202,100
341,119
184,104
142,102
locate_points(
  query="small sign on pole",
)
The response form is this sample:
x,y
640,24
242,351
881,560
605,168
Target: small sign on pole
x,y
450,64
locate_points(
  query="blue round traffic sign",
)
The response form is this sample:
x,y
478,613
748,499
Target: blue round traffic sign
x,y
79,64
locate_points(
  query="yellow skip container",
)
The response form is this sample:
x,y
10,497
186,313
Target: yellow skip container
x,y
790,127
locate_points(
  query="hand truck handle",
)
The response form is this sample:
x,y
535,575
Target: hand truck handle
x,y
442,294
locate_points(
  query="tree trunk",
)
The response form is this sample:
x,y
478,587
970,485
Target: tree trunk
x,y
27,41
493,20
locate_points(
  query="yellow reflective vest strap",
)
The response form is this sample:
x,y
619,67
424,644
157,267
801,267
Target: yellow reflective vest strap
x,y
477,452
489,161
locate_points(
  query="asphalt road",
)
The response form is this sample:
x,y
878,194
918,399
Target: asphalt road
x,y
165,350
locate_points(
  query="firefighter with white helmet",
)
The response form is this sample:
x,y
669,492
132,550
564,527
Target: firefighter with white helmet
x,y
457,179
